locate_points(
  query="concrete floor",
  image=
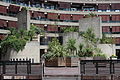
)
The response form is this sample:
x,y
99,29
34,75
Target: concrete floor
x,y
61,78
62,71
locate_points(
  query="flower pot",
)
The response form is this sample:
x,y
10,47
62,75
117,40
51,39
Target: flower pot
x,y
99,58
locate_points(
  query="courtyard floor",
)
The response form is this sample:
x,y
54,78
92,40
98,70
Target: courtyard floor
x,y
61,71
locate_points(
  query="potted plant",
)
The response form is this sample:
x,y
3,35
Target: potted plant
x,y
85,53
56,54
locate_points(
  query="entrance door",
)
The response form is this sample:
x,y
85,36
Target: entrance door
x,y
118,53
42,51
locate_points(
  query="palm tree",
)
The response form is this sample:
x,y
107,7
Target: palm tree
x,y
106,40
84,51
71,46
81,50
90,37
90,42
55,50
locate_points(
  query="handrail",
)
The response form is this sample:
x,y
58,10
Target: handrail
x,y
118,60
20,68
96,0
16,63
99,64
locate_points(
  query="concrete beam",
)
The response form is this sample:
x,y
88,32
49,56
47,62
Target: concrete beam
x,y
8,18
54,23
4,31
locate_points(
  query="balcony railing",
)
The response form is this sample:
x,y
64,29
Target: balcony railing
x,y
22,69
57,8
82,0
100,69
92,67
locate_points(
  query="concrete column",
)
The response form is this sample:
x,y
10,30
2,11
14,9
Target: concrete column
x,y
23,19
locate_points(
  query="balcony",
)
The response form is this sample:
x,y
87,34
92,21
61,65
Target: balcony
x,y
88,1
71,10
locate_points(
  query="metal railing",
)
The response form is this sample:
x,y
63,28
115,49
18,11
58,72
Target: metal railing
x,y
14,65
23,69
99,67
97,0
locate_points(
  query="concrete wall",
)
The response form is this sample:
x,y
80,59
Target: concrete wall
x,y
31,51
72,35
94,23
86,23
108,49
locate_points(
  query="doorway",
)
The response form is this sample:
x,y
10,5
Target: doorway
x,y
118,53
42,51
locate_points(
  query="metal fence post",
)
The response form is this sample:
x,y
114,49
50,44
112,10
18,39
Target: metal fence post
x,y
4,67
82,69
30,67
110,66
16,68
113,68
43,68
79,75
96,67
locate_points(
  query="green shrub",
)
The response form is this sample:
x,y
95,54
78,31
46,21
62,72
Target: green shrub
x,y
100,55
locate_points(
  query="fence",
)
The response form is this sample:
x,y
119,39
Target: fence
x,y
108,69
20,68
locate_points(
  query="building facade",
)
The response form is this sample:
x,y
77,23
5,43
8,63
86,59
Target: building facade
x,y
52,15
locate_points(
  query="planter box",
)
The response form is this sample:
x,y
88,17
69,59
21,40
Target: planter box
x,y
99,58
68,61
52,63
61,61
64,61
86,58
74,61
